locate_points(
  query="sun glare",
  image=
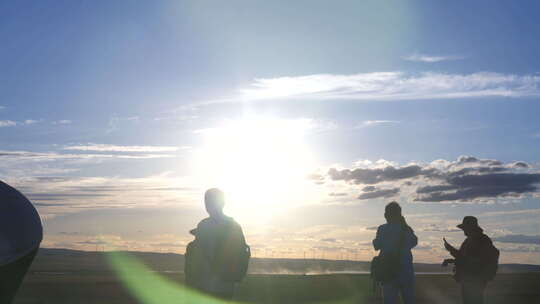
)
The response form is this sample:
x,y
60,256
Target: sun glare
x,y
261,164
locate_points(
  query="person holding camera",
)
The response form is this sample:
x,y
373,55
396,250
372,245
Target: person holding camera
x,y
476,261
394,265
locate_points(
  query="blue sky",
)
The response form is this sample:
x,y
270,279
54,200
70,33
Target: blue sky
x,y
109,107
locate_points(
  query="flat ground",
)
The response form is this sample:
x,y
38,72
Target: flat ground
x,y
107,287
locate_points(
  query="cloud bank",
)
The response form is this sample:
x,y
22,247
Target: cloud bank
x,y
467,179
7,123
370,123
393,86
518,238
431,58
117,148
47,156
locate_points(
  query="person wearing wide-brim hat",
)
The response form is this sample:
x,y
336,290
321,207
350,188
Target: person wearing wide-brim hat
x,y
476,261
470,223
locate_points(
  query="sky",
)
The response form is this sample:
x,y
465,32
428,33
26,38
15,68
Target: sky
x,y
116,116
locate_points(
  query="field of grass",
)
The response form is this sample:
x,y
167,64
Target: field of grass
x,y
118,278
108,288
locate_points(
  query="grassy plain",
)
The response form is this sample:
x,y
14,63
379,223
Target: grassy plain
x,y
86,288
64,276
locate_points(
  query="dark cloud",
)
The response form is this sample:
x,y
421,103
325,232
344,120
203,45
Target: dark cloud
x,y
518,238
429,189
473,186
378,175
466,179
383,193
330,240
474,170
472,159
520,164
372,228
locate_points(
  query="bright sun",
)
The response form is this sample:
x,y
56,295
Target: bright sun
x,y
260,163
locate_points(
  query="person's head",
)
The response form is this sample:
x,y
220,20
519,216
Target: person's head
x,y
214,200
392,212
470,226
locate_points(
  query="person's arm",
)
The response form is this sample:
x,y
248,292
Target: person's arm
x,y
377,242
242,237
453,251
412,240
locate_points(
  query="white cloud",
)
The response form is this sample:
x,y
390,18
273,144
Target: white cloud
x,y
369,123
11,123
116,148
44,156
430,58
393,86
61,195
7,123
31,121
62,122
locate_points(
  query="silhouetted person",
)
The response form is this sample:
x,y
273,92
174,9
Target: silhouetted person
x,y
475,262
396,237
219,256
20,235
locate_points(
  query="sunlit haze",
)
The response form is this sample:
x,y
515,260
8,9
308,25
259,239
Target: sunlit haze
x,y
261,163
117,116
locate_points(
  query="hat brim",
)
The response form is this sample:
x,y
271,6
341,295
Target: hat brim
x,y
463,226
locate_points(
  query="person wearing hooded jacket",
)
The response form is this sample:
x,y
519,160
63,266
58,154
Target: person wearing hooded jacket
x,y
387,241
216,239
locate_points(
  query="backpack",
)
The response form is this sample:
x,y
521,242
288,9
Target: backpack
x,y
194,264
492,263
385,268
231,260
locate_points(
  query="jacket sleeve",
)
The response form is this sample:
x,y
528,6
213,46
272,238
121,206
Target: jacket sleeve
x,y
377,242
411,240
